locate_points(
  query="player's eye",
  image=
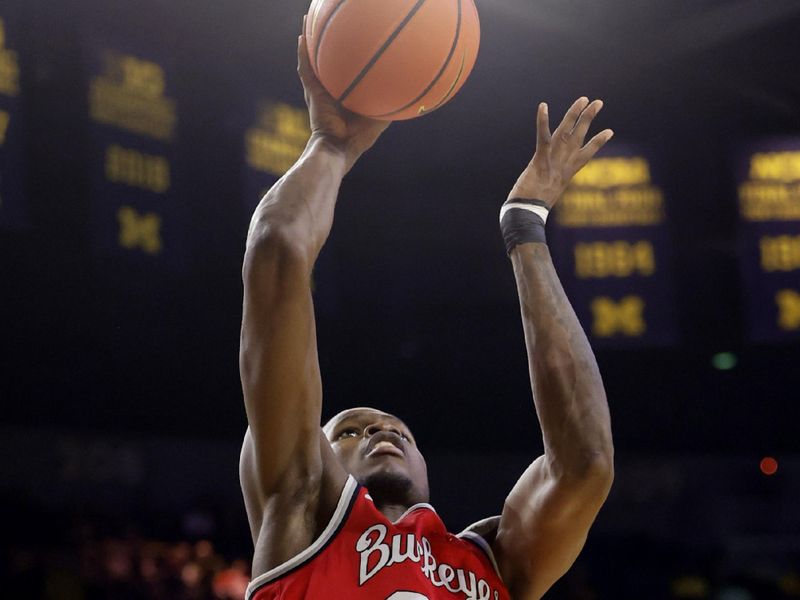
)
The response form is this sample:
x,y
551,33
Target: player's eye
x,y
346,433
408,438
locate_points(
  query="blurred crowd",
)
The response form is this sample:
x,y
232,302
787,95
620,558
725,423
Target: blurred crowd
x,y
125,569
47,558
134,568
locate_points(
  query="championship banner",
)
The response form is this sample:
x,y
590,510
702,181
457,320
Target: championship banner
x,y
138,208
611,244
769,237
13,210
274,139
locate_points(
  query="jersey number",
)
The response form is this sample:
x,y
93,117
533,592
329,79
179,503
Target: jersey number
x,y
407,596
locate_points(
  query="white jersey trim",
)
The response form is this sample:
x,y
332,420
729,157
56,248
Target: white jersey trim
x,y
412,509
478,539
350,489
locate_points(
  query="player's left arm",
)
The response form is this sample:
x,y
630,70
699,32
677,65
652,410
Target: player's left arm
x,y
547,516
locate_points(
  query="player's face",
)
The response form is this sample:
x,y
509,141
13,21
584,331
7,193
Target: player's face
x,y
376,446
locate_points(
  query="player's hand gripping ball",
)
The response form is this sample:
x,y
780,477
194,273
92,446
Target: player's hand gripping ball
x,y
392,59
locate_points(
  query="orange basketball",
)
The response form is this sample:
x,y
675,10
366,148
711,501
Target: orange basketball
x,y
392,59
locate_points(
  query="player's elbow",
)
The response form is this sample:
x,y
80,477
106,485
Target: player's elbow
x,y
276,247
598,463
601,470
596,479
580,493
601,459
592,471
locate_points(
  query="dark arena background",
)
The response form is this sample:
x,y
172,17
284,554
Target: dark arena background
x,y
136,139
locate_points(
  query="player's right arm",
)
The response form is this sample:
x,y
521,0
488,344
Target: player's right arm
x,y
284,457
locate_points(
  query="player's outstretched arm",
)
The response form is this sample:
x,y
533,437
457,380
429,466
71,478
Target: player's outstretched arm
x,y
548,514
282,455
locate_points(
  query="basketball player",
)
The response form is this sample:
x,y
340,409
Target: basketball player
x,y
341,511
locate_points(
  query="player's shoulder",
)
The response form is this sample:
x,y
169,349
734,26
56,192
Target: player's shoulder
x,y
291,536
481,535
485,528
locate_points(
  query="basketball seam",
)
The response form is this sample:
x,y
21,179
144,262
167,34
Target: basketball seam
x,y
458,78
323,29
310,19
449,93
438,75
381,50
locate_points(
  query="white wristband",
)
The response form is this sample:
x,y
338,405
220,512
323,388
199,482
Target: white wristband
x,y
534,208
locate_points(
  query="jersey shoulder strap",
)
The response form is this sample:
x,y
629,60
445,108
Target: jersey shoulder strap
x,y
482,533
347,499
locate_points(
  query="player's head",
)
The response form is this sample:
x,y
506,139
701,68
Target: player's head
x,y
379,450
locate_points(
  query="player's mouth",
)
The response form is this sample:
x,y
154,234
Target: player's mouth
x,y
385,443
385,448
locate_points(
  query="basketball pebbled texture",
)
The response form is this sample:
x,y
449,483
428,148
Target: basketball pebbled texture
x,y
393,59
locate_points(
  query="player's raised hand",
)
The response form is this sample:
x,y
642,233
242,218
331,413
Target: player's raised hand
x,y
346,130
561,154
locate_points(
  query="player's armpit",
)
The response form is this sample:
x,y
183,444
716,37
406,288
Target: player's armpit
x,y
544,525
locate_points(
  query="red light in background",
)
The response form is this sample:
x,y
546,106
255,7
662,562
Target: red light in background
x,y
769,466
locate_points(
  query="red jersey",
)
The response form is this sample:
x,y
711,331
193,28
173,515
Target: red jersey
x,y
362,555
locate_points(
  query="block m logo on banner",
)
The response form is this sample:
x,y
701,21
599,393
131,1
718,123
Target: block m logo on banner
x,y
625,317
788,302
139,230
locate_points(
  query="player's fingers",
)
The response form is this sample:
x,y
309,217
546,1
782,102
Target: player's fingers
x,y
585,121
304,68
303,62
543,134
563,132
593,146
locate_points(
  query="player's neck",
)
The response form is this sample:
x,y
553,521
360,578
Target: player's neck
x,y
392,511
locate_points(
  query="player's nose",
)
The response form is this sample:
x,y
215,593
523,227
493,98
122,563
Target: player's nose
x,y
380,426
